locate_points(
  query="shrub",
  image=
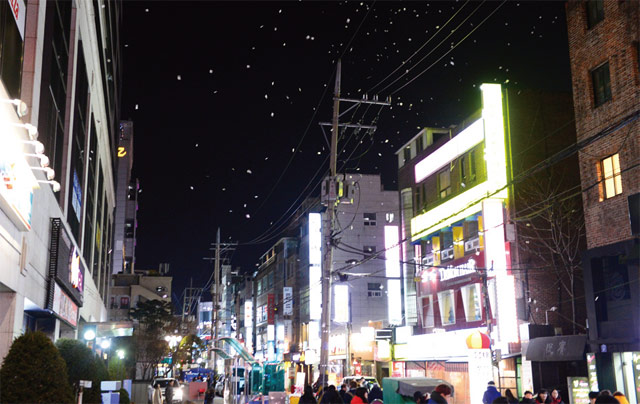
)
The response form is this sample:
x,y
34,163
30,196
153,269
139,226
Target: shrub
x,y
83,364
34,372
124,397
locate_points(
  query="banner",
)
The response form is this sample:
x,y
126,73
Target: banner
x,y
287,301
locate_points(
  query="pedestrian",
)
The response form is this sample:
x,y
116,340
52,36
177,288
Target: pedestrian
x,y
375,393
491,393
307,397
440,394
331,396
543,397
620,397
209,396
592,396
555,397
511,399
344,394
418,397
157,394
353,385
360,397
500,400
168,392
527,398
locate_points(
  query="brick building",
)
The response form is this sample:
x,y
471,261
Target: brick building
x,y
604,52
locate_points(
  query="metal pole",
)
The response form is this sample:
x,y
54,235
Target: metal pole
x,y
216,282
327,268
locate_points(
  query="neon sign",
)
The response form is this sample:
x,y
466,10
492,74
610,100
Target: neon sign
x,y
75,274
451,272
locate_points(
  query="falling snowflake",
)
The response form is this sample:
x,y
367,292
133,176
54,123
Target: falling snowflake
x,y
224,189
136,106
146,10
266,97
248,216
196,145
191,187
249,172
179,77
248,66
255,197
348,20
210,71
272,114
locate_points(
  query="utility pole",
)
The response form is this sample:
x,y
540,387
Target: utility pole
x,y
327,268
329,219
216,289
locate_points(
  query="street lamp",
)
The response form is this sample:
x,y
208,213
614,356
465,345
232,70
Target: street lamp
x,y
120,354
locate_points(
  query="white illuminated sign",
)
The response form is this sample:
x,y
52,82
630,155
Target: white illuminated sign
x,y
451,272
315,266
248,313
271,332
454,148
341,303
392,266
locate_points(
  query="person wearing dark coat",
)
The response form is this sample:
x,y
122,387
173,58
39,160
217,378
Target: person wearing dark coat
x,y
345,395
209,396
543,397
168,392
375,393
500,400
440,394
511,399
331,396
527,398
307,397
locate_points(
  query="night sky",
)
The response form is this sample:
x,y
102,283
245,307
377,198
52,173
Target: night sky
x,y
225,95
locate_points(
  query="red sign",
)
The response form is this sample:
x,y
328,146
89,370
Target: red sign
x,y
398,369
271,303
357,369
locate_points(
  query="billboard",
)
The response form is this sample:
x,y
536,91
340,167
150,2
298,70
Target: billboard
x,y
65,266
315,266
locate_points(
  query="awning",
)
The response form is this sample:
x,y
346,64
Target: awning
x,y
238,347
557,349
409,385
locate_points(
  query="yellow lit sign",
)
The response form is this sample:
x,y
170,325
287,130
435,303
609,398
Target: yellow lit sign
x,y
469,202
122,151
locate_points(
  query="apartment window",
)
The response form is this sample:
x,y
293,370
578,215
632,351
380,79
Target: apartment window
x,y
124,302
11,47
129,225
610,177
472,166
407,154
369,249
444,183
374,290
419,144
463,169
595,12
601,84
369,219
471,300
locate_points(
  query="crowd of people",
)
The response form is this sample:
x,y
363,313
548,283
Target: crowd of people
x,y
493,396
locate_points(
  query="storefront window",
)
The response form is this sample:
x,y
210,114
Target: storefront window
x,y
427,312
471,301
447,305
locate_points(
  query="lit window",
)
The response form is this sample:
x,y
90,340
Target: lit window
x,y
447,305
601,84
610,169
444,183
427,312
389,217
595,12
407,154
471,301
374,290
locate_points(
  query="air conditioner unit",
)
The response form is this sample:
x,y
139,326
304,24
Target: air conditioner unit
x,y
427,259
446,254
346,192
472,244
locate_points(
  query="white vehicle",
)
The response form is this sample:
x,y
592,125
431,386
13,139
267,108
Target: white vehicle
x,y
178,390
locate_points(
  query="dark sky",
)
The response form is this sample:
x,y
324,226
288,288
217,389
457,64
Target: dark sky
x,y
222,93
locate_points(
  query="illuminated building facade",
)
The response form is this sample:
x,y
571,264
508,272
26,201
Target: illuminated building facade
x,y
605,72
58,119
457,226
125,225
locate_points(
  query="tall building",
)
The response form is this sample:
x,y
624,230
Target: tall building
x,y
127,189
468,194
604,51
59,94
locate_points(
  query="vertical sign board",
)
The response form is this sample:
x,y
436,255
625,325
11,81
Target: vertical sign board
x,y
271,306
592,372
578,390
480,370
64,307
287,301
392,270
315,266
19,12
398,369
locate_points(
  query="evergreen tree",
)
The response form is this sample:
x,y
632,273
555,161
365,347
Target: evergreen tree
x,y
34,372
83,364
